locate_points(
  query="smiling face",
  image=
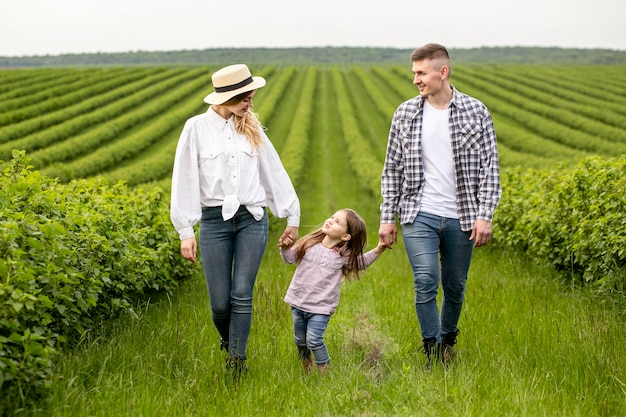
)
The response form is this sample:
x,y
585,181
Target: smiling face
x,y
429,76
238,106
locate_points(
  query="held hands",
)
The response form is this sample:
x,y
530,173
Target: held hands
x,y
289,237
387,234
380,248
188,248
481,233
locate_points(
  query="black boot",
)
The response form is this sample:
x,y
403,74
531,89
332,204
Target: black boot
x,y
236,366
431,351
224,345
448,341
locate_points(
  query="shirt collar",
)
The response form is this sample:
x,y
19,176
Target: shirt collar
x,y
218,120
455,101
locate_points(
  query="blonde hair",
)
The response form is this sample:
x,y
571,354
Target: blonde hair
x,y
352,248
248,125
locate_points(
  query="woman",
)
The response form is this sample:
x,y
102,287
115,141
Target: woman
x,y
226,171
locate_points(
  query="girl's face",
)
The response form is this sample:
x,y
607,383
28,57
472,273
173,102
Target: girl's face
x,y
336,226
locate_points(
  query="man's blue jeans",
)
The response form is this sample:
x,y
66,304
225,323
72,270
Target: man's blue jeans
x,y
231,255
438,250
308,334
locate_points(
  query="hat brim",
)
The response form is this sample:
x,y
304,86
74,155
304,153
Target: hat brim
x,y
221,98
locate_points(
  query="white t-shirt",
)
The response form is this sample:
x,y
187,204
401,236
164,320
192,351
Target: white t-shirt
x,y
439,193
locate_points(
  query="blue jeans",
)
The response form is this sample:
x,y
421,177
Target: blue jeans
x,y
308,334
438,250
231,255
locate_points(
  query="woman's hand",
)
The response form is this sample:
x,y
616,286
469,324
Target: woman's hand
x,y
188,248
289,237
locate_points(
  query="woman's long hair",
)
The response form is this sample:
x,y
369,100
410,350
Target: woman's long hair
x,y
352,248
248,125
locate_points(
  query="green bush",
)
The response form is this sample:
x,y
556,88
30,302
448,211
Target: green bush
x,y
573,218
72,256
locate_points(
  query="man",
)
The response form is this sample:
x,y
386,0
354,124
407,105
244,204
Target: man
x,y
441,178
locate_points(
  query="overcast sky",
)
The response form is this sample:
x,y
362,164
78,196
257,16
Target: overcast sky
x,y
40,27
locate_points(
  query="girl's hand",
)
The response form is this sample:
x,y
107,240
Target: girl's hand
x,y
380,248
289,237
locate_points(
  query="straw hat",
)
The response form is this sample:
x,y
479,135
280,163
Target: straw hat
x,y
231,81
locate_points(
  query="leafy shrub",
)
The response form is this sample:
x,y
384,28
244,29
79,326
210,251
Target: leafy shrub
x,y
575,218
72,256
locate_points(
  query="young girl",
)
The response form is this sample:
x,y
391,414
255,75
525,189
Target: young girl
x,y
323,257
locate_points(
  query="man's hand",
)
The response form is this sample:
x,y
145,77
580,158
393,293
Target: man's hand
x,y
387,234
481,233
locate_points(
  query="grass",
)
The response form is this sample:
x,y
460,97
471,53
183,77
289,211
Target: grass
x,y
529,346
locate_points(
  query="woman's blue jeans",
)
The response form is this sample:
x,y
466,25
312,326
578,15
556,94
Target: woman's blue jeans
x,y
438,250
308,334
231,255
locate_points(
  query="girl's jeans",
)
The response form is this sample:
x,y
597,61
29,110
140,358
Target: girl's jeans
x,y
438,250
231,255
308,334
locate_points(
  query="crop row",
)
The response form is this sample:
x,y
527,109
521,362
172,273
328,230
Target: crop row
x,y
50,97
155,164
124,123
582,118
608,110
363,160
38,115
554,124
296,146
70,125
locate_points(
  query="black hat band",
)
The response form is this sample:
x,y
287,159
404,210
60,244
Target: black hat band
x,y
234,86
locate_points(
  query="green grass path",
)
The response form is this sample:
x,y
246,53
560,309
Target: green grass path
x,y
529,347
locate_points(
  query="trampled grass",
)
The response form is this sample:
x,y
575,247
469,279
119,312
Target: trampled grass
x,y
529,346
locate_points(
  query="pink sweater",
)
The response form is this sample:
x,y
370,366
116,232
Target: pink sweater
x,y
316,283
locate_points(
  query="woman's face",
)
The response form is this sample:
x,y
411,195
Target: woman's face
x,y
240,108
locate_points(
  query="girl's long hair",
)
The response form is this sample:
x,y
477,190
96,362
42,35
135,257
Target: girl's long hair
x,y
248,125
352,248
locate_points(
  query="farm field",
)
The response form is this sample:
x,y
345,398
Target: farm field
x,y
123,123
530,346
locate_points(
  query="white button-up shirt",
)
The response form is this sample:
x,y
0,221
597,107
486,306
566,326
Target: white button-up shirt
x,y
216,166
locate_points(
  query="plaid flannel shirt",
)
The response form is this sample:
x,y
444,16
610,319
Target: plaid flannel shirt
x,y
475,151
